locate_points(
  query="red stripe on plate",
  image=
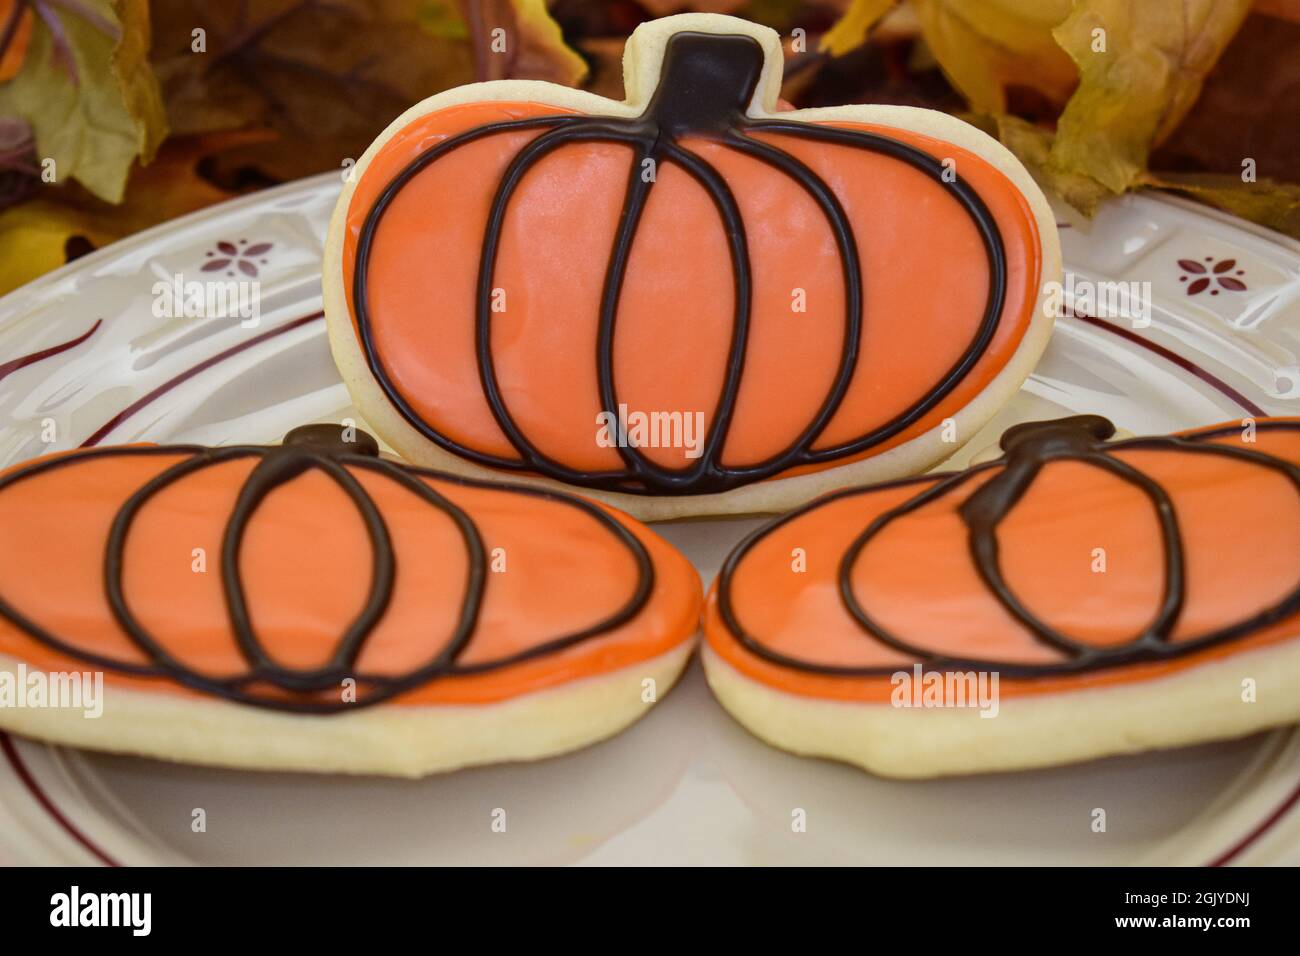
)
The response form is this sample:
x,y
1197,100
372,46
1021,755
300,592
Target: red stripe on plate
x,y
189,373
43,798
1206,376
1264,826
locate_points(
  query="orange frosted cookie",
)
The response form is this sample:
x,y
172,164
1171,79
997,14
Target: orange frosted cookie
x,y
686,302
314,606
1071,599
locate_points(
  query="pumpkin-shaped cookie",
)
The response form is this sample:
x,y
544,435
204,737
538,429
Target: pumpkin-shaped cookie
x,y
1090,597
687,302
316,606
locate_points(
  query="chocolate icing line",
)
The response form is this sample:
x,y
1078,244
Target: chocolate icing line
x,y
526,158
269,474
13,365
315,447
706,84
1028,447
990,238
846,244
638,190
707,471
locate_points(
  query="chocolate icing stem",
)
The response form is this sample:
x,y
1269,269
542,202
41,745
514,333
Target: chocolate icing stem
x,y
1029,449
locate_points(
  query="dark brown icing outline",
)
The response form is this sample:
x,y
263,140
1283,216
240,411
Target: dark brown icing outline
x,y
315,447
1027,448
705,86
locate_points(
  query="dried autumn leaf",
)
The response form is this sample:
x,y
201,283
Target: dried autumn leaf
x,y
1032,145
1269,203
850,31
1240,119
19,173
530,45
135,79
662,8
327,77
34,235
91,118
1141,66
605,58
1282,9
442,19
985,46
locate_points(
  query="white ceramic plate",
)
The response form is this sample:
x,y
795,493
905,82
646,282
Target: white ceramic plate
x,y
686,785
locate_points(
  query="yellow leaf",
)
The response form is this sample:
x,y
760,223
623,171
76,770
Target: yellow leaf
x,y
441,19
34,234
850,31
33,240
1032,145
544,44
984,46
1141,66
1267,202
135,78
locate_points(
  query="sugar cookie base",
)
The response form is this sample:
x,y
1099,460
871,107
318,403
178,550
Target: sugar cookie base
x,y
1202,703
386,740
642,58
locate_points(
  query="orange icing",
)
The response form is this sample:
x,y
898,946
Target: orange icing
x,y
925,277
1240,526
306,565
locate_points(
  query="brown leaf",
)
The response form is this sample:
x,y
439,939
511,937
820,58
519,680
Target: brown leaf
x,y
324,75
605,56
1246,108
1281,9
663,8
